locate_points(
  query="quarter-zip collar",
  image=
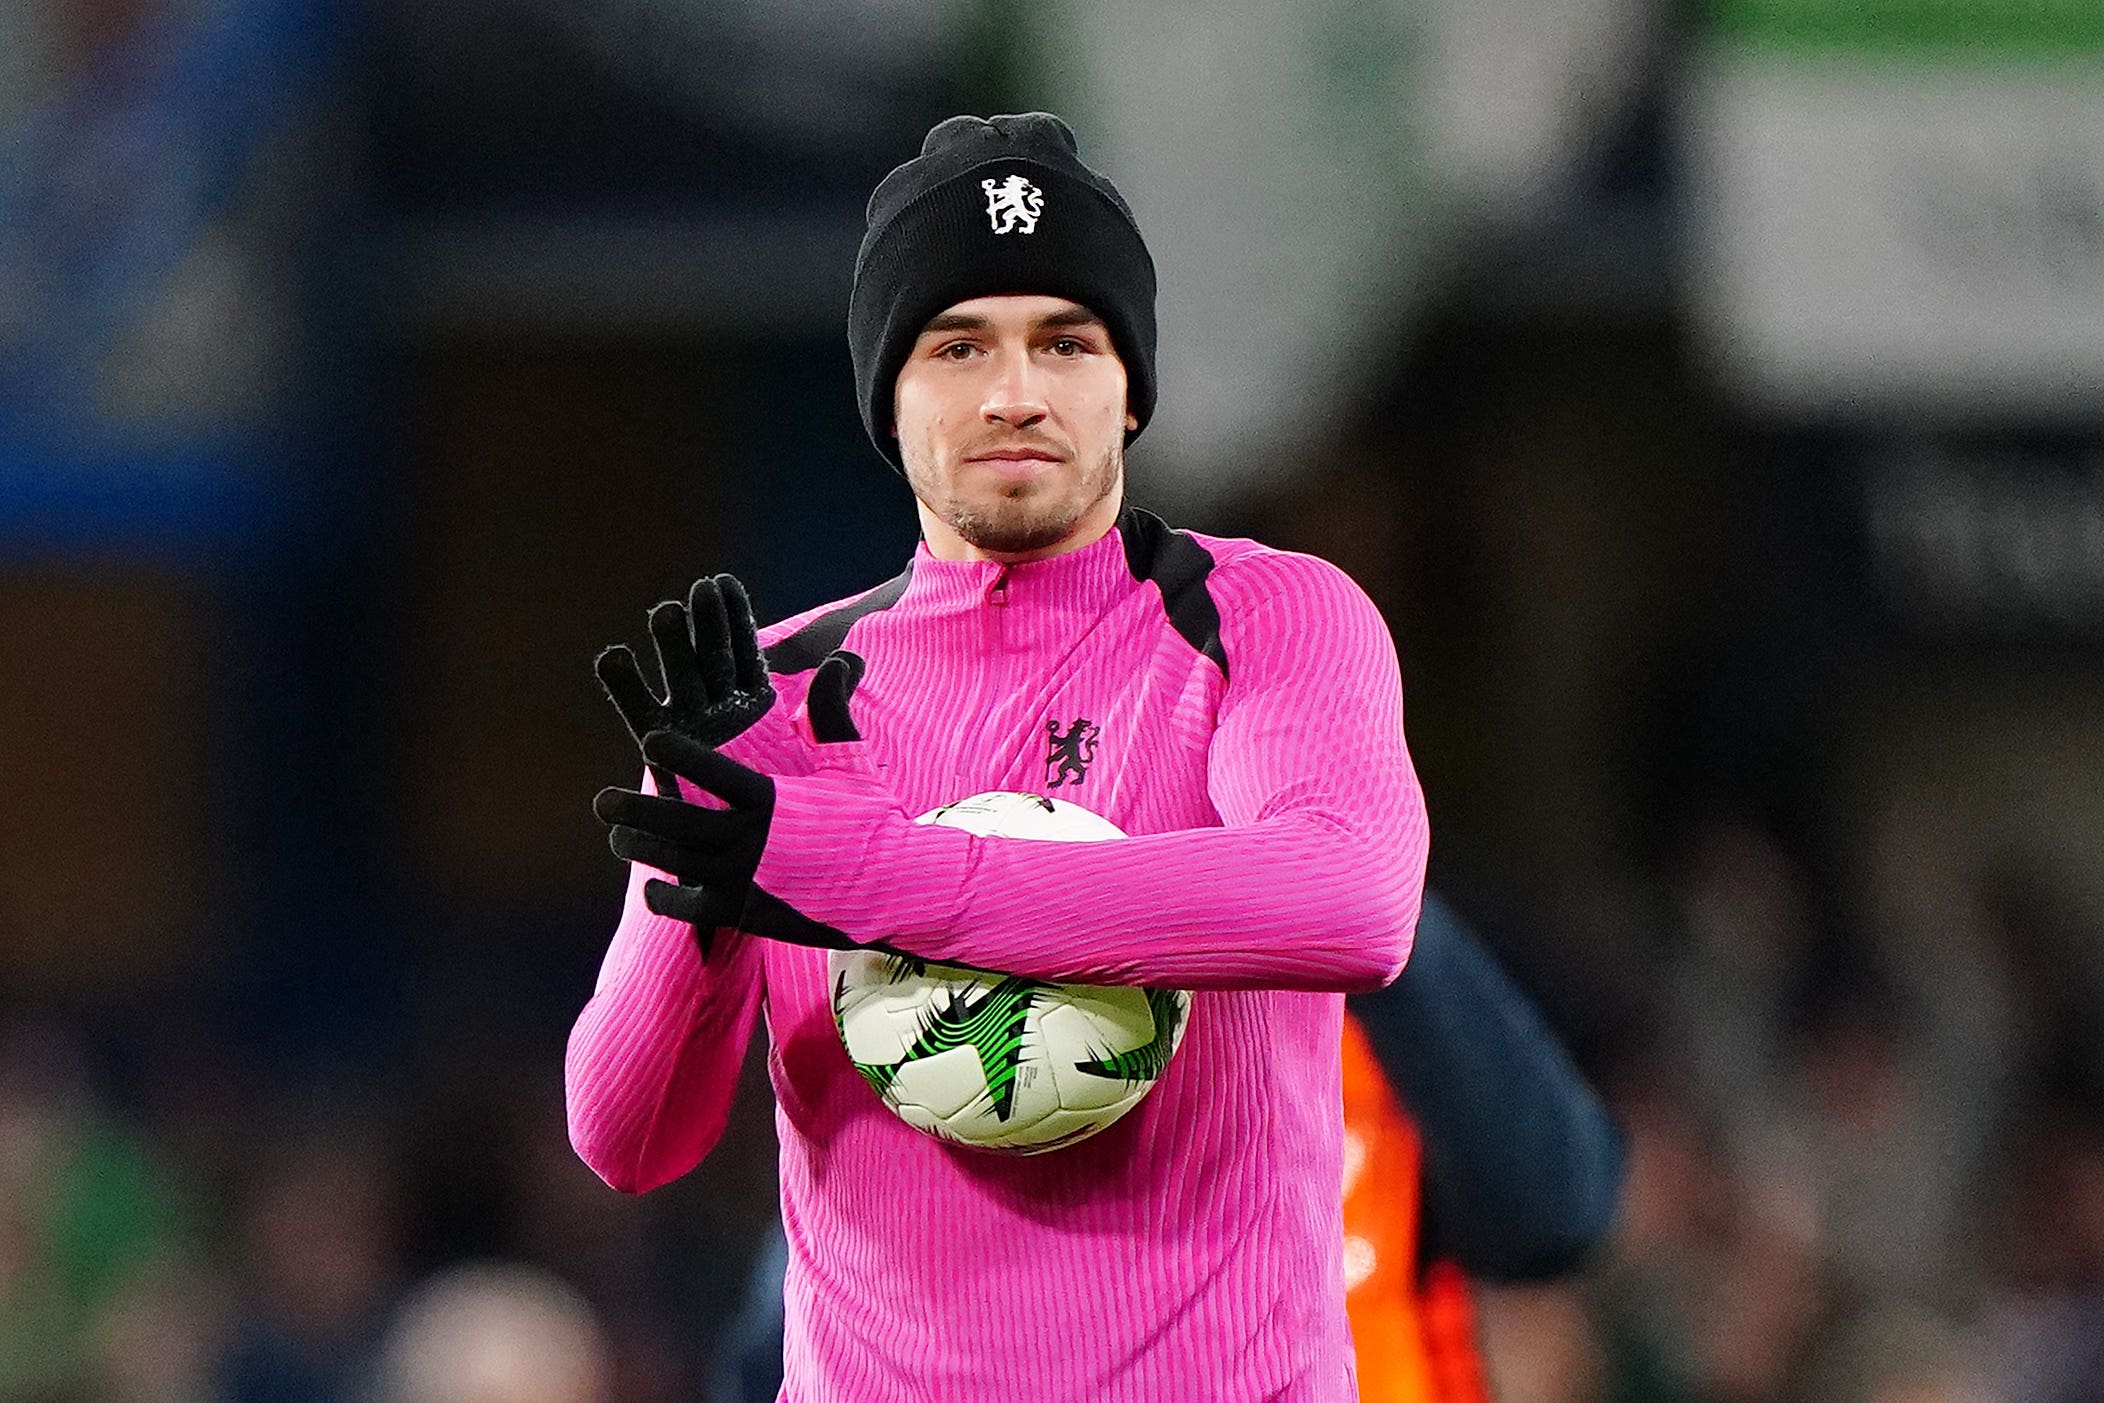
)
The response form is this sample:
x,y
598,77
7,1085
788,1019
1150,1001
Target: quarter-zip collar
x,y
1084,581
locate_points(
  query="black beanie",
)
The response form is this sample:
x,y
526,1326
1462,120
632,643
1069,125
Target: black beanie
x,y
995,206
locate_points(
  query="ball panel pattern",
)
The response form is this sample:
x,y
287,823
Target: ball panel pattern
x,y
995,1061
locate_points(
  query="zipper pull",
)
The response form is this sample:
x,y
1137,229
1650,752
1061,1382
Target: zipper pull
x,y
1000,590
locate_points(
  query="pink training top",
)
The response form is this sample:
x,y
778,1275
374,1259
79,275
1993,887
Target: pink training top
x,y
1236,709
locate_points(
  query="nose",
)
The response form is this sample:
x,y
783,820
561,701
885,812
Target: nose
x,y
1016,396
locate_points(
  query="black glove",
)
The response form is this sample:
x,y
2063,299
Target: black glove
x,y
708,651
716,852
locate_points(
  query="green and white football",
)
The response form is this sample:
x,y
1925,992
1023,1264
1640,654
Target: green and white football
x,y
995,1061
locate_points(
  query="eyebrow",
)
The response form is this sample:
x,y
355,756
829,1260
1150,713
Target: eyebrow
x,y
964,321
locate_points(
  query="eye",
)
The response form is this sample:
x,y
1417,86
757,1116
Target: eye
x,y
1070,346
956,350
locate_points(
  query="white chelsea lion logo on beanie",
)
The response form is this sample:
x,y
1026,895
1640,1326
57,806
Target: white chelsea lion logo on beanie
x,y
1013,205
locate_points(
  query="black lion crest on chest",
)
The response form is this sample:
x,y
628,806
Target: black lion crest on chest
x,y
1069,753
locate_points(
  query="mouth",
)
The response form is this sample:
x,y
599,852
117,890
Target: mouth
x,y
1015,455
1017,464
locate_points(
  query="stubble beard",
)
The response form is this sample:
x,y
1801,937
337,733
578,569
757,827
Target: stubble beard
x,y
1019,518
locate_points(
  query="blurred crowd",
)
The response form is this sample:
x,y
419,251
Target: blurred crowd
x,y
223,1246
1874,1186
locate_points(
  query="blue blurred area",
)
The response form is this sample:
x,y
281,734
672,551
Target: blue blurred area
x,y
109,186
182,503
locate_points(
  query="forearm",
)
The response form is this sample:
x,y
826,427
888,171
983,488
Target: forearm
x,y
1522,1163
653,1060
1306,899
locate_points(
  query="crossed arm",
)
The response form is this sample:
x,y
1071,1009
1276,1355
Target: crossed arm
x,y
1312,881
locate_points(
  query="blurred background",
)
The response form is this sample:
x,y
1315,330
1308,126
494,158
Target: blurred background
x,y
1711,394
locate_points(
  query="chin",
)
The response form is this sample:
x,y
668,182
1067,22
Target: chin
x,y
1013,526
1013,537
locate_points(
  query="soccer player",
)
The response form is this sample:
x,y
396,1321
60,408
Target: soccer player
x,y
1236,709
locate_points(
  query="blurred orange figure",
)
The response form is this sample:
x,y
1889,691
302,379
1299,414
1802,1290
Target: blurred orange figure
x,y
1414,1330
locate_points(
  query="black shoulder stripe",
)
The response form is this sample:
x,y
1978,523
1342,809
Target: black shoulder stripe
x,y
807,647
1178,565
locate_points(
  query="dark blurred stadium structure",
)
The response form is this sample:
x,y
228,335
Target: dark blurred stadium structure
x,y
1709,393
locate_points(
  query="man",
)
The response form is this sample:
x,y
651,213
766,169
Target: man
x,y
1237,710
1475,1151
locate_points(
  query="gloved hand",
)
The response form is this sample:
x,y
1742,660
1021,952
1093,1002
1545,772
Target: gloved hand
x,y
716,853
716,683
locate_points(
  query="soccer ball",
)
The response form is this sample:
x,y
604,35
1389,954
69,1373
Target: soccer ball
x,y
995,1061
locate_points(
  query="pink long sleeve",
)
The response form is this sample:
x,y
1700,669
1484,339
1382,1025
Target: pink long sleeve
x,y
653,1059
1312,882
1237,711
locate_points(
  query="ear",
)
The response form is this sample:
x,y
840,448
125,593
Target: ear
x,y
1132,422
